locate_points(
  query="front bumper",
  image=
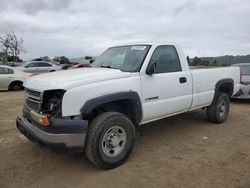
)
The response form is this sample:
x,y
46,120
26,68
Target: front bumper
x,y
62,135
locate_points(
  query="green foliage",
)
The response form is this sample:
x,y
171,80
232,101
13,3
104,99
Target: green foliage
x,y
14,59
88,57
8,58
228,60
196,61
3,56
188,60
62,60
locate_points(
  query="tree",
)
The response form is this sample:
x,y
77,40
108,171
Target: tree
x,y
12,45
88,58
62,60
196,61
3,56
4,46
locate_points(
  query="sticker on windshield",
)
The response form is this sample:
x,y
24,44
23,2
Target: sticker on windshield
x,y
138,47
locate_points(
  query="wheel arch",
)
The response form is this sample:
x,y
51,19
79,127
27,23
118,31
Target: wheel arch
x,y
14,82
225,86
127,103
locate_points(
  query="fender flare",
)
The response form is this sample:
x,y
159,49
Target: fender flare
x,y
222,82
91,104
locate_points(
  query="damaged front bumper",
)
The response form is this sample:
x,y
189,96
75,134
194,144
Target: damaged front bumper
x,y
62,135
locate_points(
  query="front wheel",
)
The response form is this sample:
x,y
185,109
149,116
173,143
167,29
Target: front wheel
x,y
218,111
109,140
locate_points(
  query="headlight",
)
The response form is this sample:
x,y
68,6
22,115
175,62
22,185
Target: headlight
x,y
52,101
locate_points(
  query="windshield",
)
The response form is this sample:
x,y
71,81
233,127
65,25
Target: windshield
x,y
245,69
125,58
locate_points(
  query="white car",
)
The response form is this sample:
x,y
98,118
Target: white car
x,y
97,109
244,92
11,79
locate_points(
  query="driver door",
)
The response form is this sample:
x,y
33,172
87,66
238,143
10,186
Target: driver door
x,y
168,90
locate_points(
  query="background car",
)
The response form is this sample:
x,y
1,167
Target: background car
x,y
80,65
12,79
244,92
67,66
37,67
46,59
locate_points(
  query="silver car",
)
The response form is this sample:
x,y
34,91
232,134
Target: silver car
x,y
37,67
244,92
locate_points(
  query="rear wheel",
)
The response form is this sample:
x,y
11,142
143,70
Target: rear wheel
x,y
109,140
16,86
218,111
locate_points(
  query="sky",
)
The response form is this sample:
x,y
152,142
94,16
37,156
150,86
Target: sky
x,y
56,27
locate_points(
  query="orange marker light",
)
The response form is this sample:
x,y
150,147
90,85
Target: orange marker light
x,y
45,121
41,119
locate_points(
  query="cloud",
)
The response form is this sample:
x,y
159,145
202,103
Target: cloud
x,y
55,27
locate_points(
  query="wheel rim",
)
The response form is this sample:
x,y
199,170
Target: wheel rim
x,y
222,108
16,87
114,141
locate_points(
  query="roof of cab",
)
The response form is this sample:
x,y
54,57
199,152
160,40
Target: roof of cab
x,y
155,43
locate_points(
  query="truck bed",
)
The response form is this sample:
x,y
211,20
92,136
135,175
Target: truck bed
x,y
204,80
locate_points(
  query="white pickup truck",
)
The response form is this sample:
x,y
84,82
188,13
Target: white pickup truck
x,y
97,109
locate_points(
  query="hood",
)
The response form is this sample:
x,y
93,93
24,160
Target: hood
x,y
71,78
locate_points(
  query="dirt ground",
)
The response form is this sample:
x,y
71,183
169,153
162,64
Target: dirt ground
x,y
181,151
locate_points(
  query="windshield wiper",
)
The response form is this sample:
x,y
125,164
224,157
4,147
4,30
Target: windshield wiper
x,y
108,66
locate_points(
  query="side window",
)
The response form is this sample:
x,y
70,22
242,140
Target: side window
x,y
32,65
166,59
43,64
4,70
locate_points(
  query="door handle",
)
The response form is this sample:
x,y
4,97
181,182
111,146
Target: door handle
x,y
10,77
183,80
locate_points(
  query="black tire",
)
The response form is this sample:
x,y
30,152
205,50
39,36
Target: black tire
x,y
97,130
16,86
218,111
52,71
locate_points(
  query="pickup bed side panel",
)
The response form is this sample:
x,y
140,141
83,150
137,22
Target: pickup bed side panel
x,y
205,80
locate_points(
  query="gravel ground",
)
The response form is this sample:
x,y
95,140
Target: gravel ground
x,y
181,151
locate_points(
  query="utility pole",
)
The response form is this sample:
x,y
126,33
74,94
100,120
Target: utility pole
x,y
82,48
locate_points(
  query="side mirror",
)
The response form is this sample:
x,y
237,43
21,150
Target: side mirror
x,y
26,66
151,68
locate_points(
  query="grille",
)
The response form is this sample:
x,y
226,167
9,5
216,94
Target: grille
x,y
33,93
33,105
33,100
